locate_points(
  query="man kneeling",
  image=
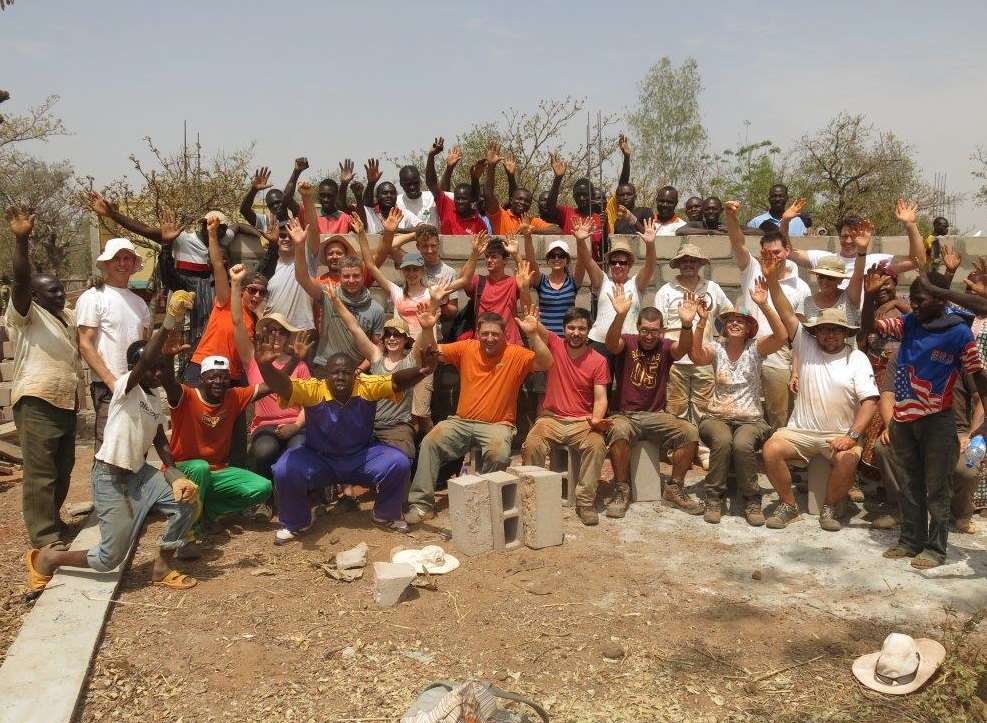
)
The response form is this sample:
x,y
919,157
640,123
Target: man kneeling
x,y
125,487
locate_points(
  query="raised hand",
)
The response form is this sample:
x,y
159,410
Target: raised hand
x,y
906,211
477,169
372,169
794,209
951,258
480,241
393,220
301,164
731,208
437,145
650,231
267,349
523,275
688,308
212,227
262,179
624,144
493,153
98,203
427,316
510,164
862,235
771,267
296,232
759,293
454,156
272,232
356,223
170,229
529,322
621,300
174,344
21,220
510,245
437,292
346,171
975,282
306,189
179,303
558,165
302,344
873,280
237,272
582,229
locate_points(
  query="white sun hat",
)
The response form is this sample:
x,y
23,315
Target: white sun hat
x,y
431,558
902,665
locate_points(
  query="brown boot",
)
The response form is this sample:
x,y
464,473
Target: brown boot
x,y
620,501
588,516
753,511
674,496
713,509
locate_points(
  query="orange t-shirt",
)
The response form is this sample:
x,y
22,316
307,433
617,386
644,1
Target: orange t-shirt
x,y
204,431
217,338
505,221
488,387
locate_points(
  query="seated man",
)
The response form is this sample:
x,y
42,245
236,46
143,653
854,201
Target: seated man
x,y
643,364
125,487
573,412
836,399
491,373
202,421
339,446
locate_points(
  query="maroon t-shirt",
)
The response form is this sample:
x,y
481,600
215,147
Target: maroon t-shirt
x,y
642,377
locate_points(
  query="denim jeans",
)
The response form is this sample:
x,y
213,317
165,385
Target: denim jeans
x,y
123,499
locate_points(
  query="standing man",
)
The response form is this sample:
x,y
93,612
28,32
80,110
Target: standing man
x,y
666,222
503,220
625,197
777,201
456,216
574,413
583,211
111,317
377,201
936,347
836,400
417,206
46,374
491,372
643,363
708,223
777,369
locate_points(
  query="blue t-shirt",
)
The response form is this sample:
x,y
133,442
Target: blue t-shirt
x,y
795,227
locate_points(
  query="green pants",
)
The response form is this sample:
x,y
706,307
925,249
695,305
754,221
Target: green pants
x,y
227,490
47,438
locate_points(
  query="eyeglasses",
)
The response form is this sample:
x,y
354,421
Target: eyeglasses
x,y
256,291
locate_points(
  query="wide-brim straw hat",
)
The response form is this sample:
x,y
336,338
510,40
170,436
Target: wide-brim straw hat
x,y
901,658
832,267
336,238
750,321
621,246
688,251
834,317
431,559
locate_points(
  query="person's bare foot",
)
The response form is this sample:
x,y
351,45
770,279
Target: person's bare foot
x,y
160,569
43,562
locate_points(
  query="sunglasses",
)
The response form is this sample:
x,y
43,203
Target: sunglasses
x,y
256,291
557,257
620,262
388,333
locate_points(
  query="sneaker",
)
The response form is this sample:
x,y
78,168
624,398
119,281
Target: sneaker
x,y
827,519
259,513
417,514
284,535
753,512
391,525
783,515
673,496
856,494
713,509
620,501
896,551
588,516
886,521
965,525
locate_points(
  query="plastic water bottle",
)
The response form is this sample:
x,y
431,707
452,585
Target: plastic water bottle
x,y
975,452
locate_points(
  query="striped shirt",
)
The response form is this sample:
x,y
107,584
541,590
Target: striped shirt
x,y
929,363
554,303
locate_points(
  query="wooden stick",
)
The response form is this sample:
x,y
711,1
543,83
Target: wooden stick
x,y
773,673
121,602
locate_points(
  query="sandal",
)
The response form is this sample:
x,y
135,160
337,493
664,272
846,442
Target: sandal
x,y
391,525
35,580
176,580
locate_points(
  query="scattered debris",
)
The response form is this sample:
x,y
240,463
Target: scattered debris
x,y
391,579
613,651
79,508
347,565
756,574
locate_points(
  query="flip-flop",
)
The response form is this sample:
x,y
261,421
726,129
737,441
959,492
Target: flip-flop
x,y
176,580
35,580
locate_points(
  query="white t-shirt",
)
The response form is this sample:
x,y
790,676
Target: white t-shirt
x,y
121,318
669,297
816,255
831,386
131,423
795,291
418,210
737,385
605,313
286,295
668,229
190,248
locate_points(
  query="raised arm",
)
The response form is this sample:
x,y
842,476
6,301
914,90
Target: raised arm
x,y
431,179
529,252
242,340
301,165
21,222
311,220
489,190
797,255
862,240
299,239
974,301
345,178
779,334
220,280
558,168
907,213
772,273
105,209
372,169
625,168
163,341
647,271
260,182
621,305
701,354
390,224
873,282
687,314
736,234
363,344
453,157
529,325
523,280
582,230
278,381
465,280
357,208
510,168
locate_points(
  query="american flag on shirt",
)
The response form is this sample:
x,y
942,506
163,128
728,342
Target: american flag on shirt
x,y
928,366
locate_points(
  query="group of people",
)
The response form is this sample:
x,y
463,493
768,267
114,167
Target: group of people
x,y
302,391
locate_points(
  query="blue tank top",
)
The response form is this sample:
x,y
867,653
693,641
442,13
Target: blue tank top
x,y
554,303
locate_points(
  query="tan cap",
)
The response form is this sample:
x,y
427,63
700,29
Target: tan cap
x,y
688,251
834,317
619,245
831,266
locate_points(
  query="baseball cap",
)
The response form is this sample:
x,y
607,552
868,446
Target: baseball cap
x,y
115,246
560,244
412,258
211,363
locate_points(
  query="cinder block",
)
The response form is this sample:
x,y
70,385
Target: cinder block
x,y
505,510
7,371
469,514
5,389
645,474
819,469
391,579
541,506
566,461
8,350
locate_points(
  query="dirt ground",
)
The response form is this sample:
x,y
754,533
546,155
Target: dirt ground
x,y
266,635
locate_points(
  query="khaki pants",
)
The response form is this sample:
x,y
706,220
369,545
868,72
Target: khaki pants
x,y
777,397
689,390
550,431
667,430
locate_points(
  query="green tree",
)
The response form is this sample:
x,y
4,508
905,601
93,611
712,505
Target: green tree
x,y
744,174
666,128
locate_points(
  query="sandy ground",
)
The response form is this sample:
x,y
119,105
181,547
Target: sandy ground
x,y
266,635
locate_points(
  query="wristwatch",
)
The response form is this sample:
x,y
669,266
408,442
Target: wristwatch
x,y
855,436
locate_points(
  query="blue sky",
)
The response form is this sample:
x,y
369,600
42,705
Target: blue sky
x,y
331,81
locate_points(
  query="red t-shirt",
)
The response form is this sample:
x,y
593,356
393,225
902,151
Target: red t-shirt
x,y
204,431
500,297
569,392
569,217
452,224
642,377
217,338
328,224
